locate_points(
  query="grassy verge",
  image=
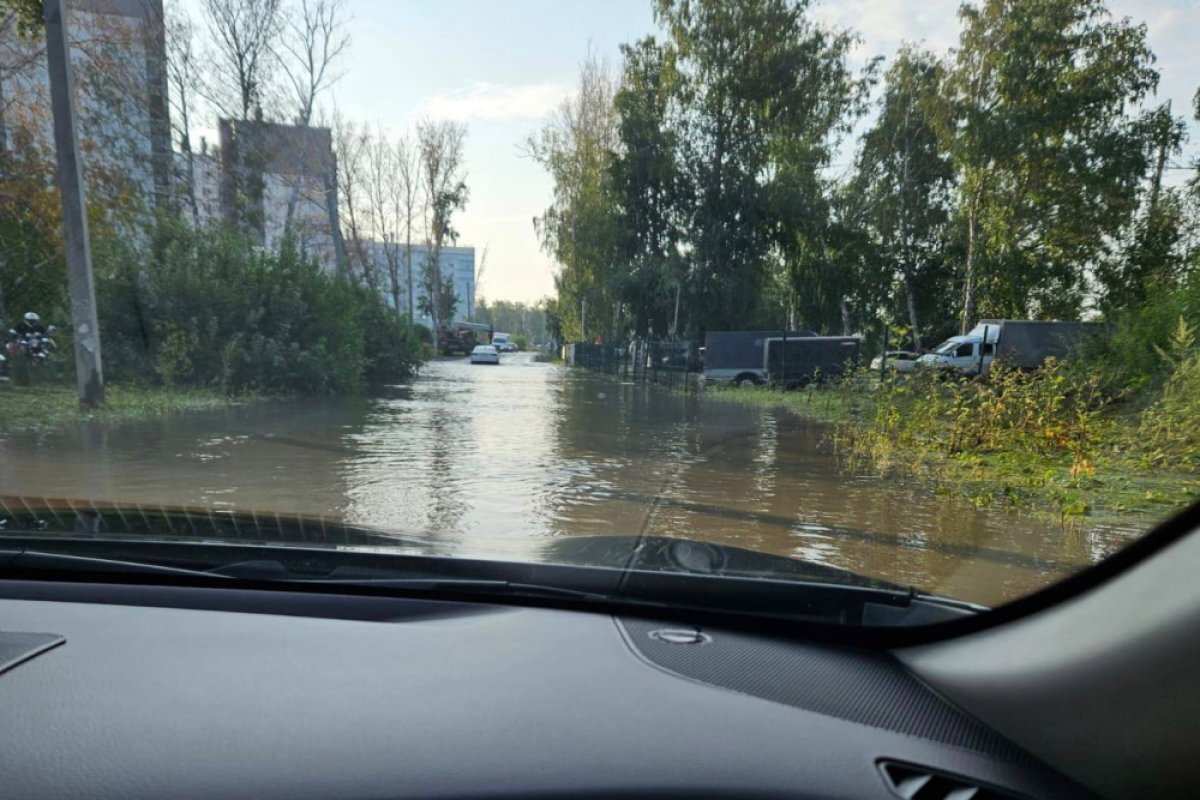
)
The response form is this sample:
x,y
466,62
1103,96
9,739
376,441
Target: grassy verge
x,y
55,405
823,404
1039,445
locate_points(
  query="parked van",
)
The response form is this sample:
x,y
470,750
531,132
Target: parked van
x,y
1020,343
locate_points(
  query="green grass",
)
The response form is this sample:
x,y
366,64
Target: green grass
x,y
818,404
1120,486
56,405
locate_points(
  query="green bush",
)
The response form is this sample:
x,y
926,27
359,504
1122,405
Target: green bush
x,y
1128,359
208,309
1050,412
1168,429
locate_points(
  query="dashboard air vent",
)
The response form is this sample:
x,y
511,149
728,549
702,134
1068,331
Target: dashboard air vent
x,y
918,783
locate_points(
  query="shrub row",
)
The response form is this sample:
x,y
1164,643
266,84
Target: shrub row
x,y
189,308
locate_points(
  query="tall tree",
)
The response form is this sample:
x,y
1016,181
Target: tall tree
x,y
763,94
1049,159
384,209
351,143
244,34
411,202
443,177
310,42
645,188
1149,252
183,79
904,182
579,228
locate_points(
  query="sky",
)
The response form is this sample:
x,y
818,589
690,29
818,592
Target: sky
x,y
502,67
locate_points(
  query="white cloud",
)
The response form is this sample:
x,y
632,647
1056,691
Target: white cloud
x,y
493,101
884,24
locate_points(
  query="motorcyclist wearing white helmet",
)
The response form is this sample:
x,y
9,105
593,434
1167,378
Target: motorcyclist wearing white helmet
x,y
30,325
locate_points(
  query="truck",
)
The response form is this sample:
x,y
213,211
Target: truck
x,y
809,359
460,338
1021,343
737,356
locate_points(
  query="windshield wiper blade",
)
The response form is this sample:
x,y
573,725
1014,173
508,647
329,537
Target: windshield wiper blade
x,y
37,560
474,580
272,570
275,571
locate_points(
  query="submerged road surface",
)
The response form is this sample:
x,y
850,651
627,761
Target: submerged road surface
x,y
504,461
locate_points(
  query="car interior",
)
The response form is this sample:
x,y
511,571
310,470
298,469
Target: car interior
x,y
169,683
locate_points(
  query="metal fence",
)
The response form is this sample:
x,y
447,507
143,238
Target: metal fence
x,y
666,363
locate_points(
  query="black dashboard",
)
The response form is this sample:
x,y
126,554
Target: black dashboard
x,y
170,692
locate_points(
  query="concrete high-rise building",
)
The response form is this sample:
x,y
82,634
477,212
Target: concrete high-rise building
x,y
119,61
275,177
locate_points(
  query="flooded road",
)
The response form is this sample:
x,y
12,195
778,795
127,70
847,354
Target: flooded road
x,y
501,461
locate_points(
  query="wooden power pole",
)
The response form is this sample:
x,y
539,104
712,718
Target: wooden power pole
x,y
89,374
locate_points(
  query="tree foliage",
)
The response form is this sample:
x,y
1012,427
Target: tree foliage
x,y
1018,175
1048,156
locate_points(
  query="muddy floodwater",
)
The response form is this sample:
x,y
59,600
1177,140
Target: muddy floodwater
x,y
499,461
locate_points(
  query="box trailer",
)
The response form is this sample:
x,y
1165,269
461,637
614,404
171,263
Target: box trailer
x,y
809,359
737,356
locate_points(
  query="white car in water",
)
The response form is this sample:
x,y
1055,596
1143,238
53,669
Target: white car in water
x,y
898,360
485,354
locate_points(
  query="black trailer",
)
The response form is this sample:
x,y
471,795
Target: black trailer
x,y
810,359
737,356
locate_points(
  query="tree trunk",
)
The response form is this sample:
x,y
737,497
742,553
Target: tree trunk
x,y
394,270
335,225
3,307
675,318
191,186
968,308
408,266
910,292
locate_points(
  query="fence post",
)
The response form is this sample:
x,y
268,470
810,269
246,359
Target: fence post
x,y
782,360
982,347
883,356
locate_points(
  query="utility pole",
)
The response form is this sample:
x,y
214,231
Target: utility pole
x,y
89,375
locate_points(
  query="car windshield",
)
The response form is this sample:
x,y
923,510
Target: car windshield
x,y
276,237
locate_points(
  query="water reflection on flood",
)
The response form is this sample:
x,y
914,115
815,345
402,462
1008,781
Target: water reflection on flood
x,y
499,461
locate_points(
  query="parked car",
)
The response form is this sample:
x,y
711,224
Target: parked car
x,y
898,360
485,354
504,343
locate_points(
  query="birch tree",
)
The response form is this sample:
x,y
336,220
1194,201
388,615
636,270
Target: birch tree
x,y
411,203
443,178
244,34
350,145
183,79
310,42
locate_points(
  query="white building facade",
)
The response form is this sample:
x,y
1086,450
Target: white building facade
x,y
119,63
456,262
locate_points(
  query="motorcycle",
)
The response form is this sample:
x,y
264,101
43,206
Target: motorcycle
x,y
34,348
